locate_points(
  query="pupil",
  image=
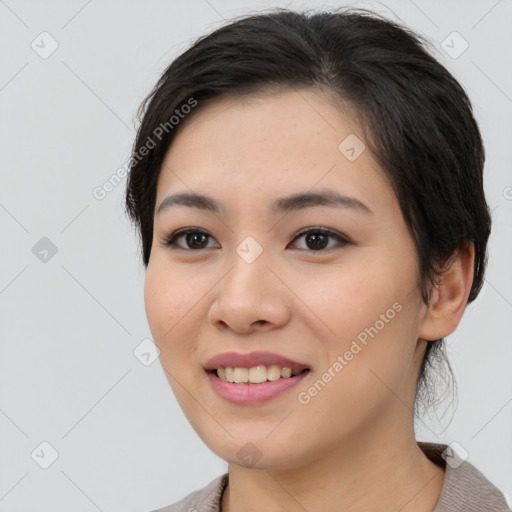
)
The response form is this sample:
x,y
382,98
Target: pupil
x,y
316,240
196,239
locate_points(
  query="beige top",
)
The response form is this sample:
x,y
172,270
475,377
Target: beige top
x,y
465,489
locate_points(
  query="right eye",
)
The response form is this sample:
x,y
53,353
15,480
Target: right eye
x,y
194,239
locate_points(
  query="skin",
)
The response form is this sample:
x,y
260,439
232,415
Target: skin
x,y
354,441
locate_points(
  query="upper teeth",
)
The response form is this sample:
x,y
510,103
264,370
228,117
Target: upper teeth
x,y
255,375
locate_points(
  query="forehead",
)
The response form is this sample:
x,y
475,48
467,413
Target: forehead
x,y
270,145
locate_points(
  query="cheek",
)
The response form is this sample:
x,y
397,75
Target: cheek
x,y
372,316
364,373
357,297
170,305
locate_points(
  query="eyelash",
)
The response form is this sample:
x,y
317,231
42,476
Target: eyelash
x,y
170,241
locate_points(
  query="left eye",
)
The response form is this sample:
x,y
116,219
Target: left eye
x,y
316,239
194,239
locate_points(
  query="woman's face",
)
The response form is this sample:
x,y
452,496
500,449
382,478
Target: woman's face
x,y
344,305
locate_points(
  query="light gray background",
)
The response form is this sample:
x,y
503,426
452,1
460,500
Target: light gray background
x,y
69,325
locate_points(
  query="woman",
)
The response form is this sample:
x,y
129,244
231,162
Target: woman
x,y
308,190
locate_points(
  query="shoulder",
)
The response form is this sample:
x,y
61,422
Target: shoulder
x,y
206,499
465,488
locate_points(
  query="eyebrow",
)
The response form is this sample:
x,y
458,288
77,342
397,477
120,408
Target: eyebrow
x,y
295,201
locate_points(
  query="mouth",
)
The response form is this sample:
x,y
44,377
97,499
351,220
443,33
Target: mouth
x,y
253,377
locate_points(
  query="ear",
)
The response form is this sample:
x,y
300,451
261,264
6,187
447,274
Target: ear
x,y
450,295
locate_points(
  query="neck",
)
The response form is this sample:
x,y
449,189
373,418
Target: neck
x,y
365,473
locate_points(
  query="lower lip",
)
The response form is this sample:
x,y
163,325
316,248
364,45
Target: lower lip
x,y
242,393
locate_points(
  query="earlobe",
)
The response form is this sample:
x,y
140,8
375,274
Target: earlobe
x,y
450,296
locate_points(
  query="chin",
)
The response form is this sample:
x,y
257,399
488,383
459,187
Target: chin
x,y
258,452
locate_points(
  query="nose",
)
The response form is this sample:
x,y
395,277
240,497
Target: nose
x,y
250,298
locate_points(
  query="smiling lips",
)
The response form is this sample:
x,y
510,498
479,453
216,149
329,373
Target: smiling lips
x,y
254,377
